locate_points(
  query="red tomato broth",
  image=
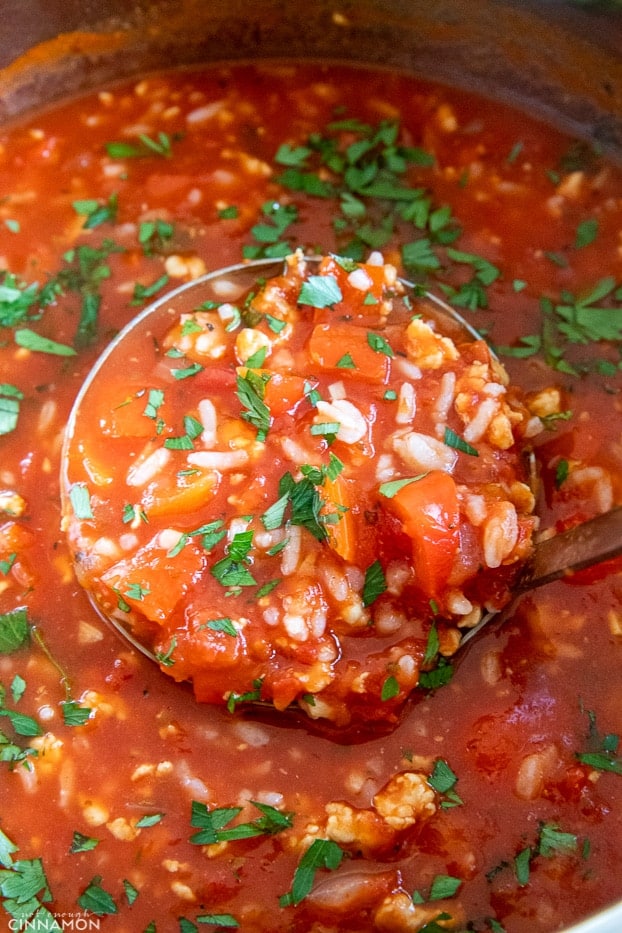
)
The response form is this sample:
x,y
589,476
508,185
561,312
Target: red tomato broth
x,y
525,690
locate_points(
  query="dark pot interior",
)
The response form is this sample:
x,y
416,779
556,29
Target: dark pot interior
x,y
558,58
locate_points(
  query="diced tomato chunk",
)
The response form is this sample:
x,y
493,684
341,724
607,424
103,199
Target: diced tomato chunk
x,y
429,511
344,347
138,581
284,393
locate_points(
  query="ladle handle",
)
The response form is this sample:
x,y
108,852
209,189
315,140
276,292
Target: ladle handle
x,y
585,545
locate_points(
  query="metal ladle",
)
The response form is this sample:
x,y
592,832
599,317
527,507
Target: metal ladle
x,y
585,545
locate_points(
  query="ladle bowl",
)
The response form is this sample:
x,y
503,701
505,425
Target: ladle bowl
x,y
554,556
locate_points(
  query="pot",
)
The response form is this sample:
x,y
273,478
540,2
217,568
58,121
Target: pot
x,y
560,60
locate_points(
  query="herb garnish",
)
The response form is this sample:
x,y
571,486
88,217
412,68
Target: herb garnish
x,y
250,390
458,443
443,780
375,583
146,146
97,900
213,824
390,688
80,499
320,291
269,232
602,754
31,340
14,629
74,714
250,696
10,398
572,320
232,570
96,213
82,843
551,840
24,887
154,235
322,853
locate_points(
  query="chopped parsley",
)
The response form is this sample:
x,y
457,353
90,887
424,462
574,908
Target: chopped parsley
x,y
14,629
320,291
214,824
379,344
573,320
250,390
96,899
302,503
25,889
192,428
250,696
80,499
82,843
444,781
142,293
442,887
150,819
551,841
390,688
96,213
439,676
224,624
30,340
602,750
432,646
587,231
346,362
154,235
391,488
10,398
74,714
374,584
270,232
146,146
321,854
233,569
458,443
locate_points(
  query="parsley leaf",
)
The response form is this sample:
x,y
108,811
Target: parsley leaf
x,y
390,688
375,583
80,499
74,714
322,853
146,146
250,391
213,824
458,443
269,232
14,629
97,900
96,213
443,780
31,340
81,843
10,398
232,570
320,291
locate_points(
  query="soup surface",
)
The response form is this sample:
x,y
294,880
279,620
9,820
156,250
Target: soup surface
x,y
492,802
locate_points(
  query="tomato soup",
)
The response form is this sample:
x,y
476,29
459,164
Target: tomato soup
x,y
349,771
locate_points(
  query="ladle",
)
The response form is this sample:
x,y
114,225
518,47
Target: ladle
x,y
594,541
